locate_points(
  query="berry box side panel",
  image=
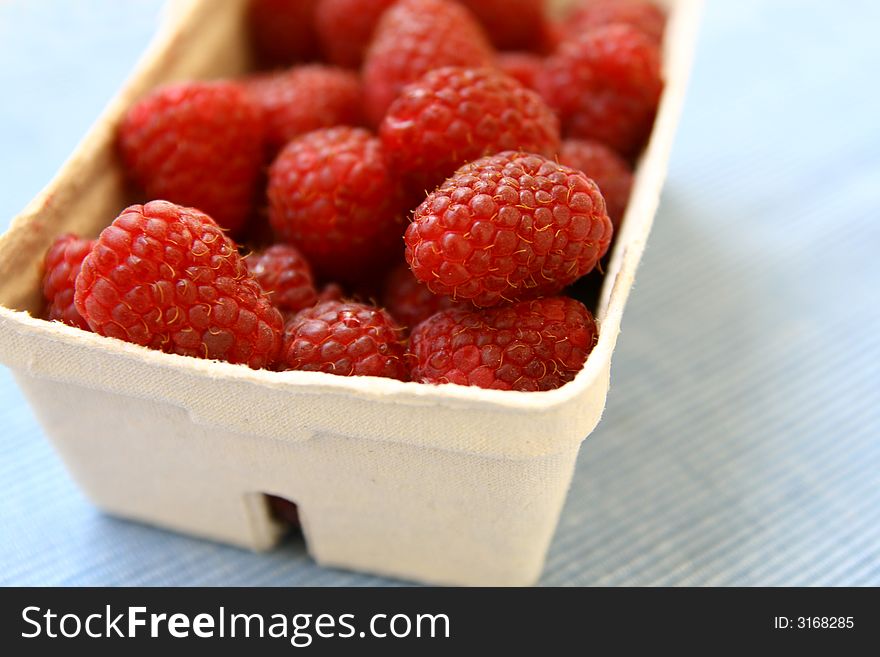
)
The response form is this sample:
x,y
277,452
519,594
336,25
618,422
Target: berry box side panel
x,y
401,510
294,406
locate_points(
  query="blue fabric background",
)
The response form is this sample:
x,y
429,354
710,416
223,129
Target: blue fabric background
x,y
741,442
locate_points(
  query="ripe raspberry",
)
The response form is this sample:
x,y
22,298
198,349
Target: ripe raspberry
x,y
62,263
331,292
552,35
410,301
345,28
605,85
282,31
510,24
530,345
455,115
645,16
524,67
607,169
303,99
285,274
508,227
198,144
349,339
167,277
414,37
331,195
283,510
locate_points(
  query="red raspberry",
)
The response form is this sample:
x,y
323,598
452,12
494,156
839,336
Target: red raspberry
x,y
607,169
283,31
553,34
508,227
645,16
62,263
167,277
525,67
345,28
454,115
199,144
605,85
348,339
283,510
332,196
510,24
410,301
305,98
414,37
530,345
285,274
331,292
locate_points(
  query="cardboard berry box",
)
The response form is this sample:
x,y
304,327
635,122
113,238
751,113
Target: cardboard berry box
x,y
441,484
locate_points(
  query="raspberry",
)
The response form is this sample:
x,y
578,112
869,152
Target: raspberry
x,y
410,301
552,35
331,195
282,31
167,277
303,99
345,28
283,510
524,67
331,292
454,115
530,345
510,24
508,227
282,271
607,169
62,263
414,37
645,16
198,144
348,339
605,85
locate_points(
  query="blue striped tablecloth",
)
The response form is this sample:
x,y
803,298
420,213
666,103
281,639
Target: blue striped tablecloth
x,y
741,442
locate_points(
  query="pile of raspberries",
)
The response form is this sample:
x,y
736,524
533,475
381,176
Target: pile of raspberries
x,y
405,190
